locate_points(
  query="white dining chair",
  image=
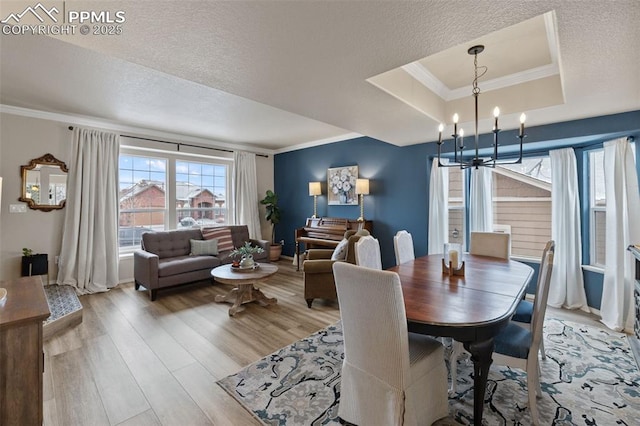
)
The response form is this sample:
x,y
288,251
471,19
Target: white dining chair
x,y
389,376
368,253
403,247
517,347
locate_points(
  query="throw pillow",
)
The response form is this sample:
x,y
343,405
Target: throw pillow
x,y
222,234
204,247
340,252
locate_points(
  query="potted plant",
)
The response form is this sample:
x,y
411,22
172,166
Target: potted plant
x,y
270,201
242,253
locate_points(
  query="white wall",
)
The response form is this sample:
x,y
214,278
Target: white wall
x,y
24,138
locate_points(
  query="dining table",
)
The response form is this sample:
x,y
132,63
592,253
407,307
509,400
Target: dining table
x,y
471,308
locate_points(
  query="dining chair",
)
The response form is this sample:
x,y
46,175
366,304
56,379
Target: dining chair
x,y
517,347
492,244
403,247
389,376
368,253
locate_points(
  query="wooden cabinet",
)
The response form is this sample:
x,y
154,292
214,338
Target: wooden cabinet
x,y
21,354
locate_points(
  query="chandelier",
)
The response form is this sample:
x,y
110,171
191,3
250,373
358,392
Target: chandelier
x,y
458,135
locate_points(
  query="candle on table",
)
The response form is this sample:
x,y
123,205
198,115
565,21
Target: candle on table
x,y
453,258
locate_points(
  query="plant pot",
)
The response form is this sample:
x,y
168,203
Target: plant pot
x,y
275,250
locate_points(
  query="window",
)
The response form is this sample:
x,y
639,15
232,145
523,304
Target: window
x,y
166,190
200,193
143,205
522,204
597,207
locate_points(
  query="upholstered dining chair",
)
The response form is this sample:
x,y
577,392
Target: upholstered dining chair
x,y
368,253
389,376
518,347
403,247
492,244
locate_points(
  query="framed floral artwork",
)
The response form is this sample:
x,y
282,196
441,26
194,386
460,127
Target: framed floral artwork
x,y
341,184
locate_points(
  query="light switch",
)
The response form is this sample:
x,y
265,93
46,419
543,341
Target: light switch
x,y
17,208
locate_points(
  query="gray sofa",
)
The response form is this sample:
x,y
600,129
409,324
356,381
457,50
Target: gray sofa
x,y
165,261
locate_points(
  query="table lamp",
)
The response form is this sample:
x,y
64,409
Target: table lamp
x,y
362,189
315,190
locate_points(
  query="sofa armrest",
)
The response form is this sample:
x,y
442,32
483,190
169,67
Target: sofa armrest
x,y
145,269
264,244
318,266
313,254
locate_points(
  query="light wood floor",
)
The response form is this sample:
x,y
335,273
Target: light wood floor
x,y
137,362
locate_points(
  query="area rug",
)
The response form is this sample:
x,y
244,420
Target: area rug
x,y
589,378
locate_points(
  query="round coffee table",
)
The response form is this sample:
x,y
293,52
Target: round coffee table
x,y
244,290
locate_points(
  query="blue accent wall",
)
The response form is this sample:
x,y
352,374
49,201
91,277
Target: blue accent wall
x,y
399,180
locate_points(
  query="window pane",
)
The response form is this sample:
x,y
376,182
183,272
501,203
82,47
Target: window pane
x,y
142,197
522,204
198,201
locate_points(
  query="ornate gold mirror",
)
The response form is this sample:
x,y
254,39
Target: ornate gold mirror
x,y
44,183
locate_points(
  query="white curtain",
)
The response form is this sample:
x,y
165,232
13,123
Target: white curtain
x,y
567,285
245,186
89,253
481,200
623,229
438,208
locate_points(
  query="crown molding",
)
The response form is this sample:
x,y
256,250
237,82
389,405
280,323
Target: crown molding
x,y
430,81
339,138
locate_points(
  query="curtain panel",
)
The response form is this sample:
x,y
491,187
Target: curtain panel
x,y
567,285
245,188
481,200
89,254
438,208
622,229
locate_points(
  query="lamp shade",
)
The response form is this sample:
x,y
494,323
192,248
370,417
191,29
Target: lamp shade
x,y
314,188
362,186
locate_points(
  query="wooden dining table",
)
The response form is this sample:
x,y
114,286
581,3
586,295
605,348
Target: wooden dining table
x,y
471,309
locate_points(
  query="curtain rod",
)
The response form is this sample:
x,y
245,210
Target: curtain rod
x,y
179,144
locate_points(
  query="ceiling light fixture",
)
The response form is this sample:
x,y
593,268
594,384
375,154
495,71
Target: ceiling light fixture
x,y
458,135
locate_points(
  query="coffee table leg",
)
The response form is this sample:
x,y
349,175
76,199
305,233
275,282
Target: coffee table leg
x,y
481,357
237,296
263,300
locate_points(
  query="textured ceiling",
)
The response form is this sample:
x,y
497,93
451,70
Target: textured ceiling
x,y
277,75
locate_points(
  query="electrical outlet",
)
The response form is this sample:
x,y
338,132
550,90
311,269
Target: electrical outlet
x,y
17,208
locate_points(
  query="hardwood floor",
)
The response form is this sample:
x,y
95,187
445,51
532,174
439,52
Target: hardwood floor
x,y
136,362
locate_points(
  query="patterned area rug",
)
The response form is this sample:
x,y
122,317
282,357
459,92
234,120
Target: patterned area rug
x,y
589,378
62,300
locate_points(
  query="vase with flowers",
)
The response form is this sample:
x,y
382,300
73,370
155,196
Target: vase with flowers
x,y
243,256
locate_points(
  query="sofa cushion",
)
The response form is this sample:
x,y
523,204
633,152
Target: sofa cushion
x,y
222,234
184,264
204,247
168,244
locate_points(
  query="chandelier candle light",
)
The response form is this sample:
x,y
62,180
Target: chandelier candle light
x,y
315,190
362,189
458,135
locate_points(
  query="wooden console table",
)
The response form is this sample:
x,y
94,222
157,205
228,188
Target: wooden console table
x,y
21,355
